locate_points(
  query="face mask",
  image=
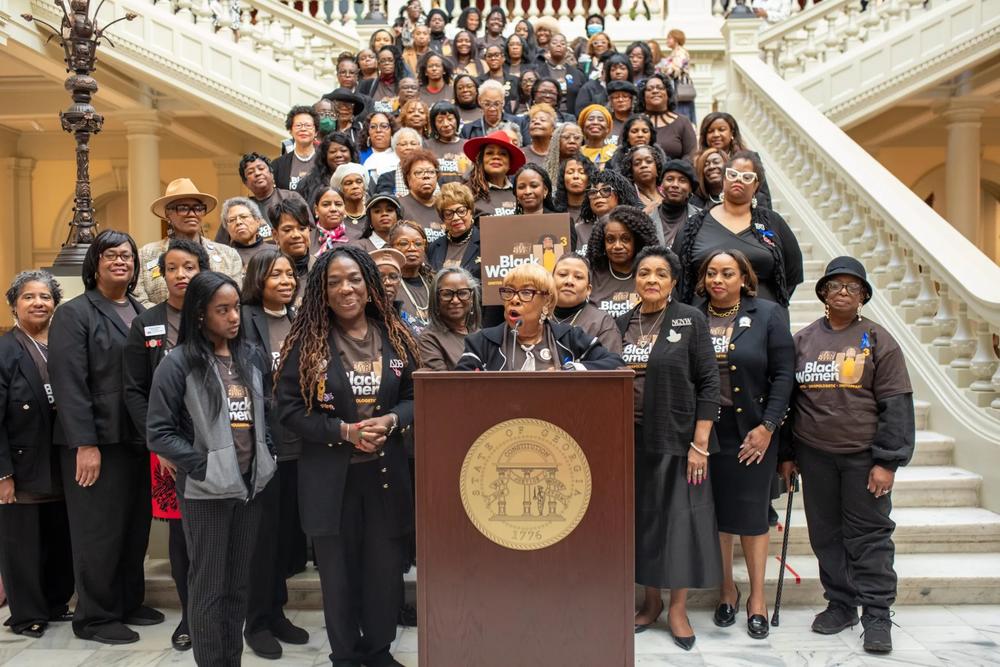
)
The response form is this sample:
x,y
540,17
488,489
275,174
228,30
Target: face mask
x,y
593,29
326,125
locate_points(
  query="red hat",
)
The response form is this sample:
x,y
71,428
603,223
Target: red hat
x,y
499,138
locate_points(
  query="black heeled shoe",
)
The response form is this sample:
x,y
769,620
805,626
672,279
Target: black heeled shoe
x,y
757,625
686,643
725,614
645,626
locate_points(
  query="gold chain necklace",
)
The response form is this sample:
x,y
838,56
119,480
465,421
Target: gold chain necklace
x,y
724,314
421,310
644,338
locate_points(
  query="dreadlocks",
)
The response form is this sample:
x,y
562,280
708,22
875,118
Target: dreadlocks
x,y
311,328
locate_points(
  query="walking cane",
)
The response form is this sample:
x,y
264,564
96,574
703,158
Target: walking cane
x,y
792,488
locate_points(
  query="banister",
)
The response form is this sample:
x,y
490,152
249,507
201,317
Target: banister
x,y
798,20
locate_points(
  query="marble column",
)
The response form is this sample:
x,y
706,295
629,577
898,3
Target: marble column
x,y
962,165
142,131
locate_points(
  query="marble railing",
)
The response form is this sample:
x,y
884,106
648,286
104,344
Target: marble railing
x,y
940,289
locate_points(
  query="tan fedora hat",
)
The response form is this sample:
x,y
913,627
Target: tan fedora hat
x,y
181,188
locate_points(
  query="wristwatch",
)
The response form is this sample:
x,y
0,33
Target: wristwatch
x,y
769,425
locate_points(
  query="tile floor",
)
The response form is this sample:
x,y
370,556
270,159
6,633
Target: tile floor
x,y
967,636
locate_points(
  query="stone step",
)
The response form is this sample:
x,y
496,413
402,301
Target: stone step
x,y
936,486
922,412
933,449
924,578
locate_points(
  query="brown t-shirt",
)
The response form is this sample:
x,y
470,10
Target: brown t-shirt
x,y
415,295
354,227
501,202
173,326
440,348
453,165
721,330
300,169
454,254
425,216
637,344
615,296
240,406
126,311
841,376
362,360
278,327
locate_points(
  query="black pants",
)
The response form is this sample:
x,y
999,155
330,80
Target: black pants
x,y
179,565
361,573
109,527
220,537
849,529
291,539
269,593
36,562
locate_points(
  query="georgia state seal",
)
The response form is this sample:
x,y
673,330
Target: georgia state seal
x,y
525,484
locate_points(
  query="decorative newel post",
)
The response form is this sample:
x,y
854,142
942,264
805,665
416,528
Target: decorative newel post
x,y
741,40
80,36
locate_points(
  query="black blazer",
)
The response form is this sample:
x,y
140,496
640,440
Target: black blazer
x,y
511,90
145,348
256,330
86,355
572,87
485,349
26,421
438,251
761,363
475,128
682,381
325,458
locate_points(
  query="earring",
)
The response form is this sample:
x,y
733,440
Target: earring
x,y
753,202
859,312
826,310
545,313
722,196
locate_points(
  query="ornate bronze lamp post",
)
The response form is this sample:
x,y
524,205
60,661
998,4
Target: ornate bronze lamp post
x,y
80,36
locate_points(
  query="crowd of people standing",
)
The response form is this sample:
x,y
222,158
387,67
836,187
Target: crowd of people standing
x,y
254,390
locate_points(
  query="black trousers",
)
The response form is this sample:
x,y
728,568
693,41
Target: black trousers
x,y
291,539
849,529
179,565
109,527
269,593
361,573
220,537
36,562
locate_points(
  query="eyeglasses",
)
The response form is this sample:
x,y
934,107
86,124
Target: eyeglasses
x,y
380,126
423,173
603,192
491,105
327,114
406,245
184,209
746,177
525,295
390,278
494,55
835,286
463,294
112,256
242,217
454,213
303,126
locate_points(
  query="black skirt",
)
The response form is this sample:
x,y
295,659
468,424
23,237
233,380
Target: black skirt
x,y
742,492
676,541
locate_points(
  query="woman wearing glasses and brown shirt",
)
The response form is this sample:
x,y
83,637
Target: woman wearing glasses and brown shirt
x,y
455,312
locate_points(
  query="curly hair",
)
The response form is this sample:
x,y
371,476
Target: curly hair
x,y
640,103
618,156
547,204
635,220
647,57
321,172
311,327
301,110
363,141
659,158
39,276
560,200
760,228
253,157
446,65
734,129
623,187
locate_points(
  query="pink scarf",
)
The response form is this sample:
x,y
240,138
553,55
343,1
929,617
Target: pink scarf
x,y
328,238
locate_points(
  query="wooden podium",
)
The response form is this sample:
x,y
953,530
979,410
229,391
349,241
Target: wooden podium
x,y
484,604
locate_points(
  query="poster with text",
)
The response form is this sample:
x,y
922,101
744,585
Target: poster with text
x,y
508,241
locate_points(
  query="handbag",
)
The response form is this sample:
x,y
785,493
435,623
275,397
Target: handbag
x,y
685,89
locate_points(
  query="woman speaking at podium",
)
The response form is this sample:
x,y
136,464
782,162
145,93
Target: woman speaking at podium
x,y
529,339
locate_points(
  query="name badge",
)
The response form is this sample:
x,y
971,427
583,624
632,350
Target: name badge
x,y
156,330
152,264
682,322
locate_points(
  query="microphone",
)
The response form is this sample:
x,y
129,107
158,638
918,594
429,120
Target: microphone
x,y
513,341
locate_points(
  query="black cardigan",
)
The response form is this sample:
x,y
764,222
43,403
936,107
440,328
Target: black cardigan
x,y
325,459
483,349
145,348
86,360
761,363
26,421
682,381
438,251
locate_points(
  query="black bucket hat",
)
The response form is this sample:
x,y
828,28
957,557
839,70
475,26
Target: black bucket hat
x,y
682,167
622,87
845,266
344,95
384,197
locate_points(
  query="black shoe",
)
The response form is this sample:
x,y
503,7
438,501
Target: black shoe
x,y
285,631
113,633
645,626
181,639
837,617
381,659
878,633
145,616
35,630
757,625
686,643
407,616
772,516
725,614
264,645
64,616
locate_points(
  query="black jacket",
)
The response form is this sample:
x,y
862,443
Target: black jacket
x,y
592,92
255,328
144,350
572,86
438,251
26,422
325,459
511,86
761,363
484,349
86,359
682,381
475,128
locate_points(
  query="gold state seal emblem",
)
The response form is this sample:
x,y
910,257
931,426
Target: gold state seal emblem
x,y
525,484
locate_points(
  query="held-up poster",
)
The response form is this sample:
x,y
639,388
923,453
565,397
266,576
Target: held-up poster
x,y
512,240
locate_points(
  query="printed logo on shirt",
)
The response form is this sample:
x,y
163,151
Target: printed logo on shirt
x,y
240,414
720,340
619,303
834,370
275,358
504,210
364,379
48,394
636,355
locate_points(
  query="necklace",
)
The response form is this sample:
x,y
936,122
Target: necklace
x,y
421,310
43,348
276,313
572,321
723,314
618,277
228,368
461,240
645,340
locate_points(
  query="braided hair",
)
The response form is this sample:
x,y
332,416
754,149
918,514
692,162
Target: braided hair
x,y
311,327
623,187
760,227
635,220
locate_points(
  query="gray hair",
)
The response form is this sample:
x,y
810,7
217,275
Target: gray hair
x,y
474,320
240,201
513,127
405,131
25,277
491,84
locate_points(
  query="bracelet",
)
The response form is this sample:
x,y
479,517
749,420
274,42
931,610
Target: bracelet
x,y
695,447
395,423
348,438
6,477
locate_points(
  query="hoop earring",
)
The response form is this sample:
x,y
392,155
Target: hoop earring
x,y
753,202
722,196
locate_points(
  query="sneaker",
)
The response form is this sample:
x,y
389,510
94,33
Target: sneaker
x,y
877,634
837,617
